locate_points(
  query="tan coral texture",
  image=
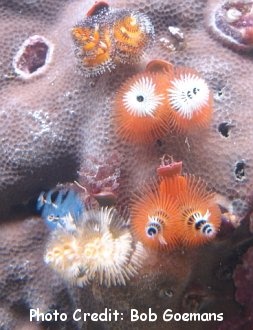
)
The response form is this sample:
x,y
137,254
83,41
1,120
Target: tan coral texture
x,y
54,124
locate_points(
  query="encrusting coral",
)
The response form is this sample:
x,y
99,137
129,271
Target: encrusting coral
x,y
45,146
57,122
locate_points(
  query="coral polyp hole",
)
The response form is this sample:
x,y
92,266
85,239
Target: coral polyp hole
x,y
240,170
219,92
159,143
33,56
224,129
166,293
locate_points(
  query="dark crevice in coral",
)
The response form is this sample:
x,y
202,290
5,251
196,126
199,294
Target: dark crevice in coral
x,y
159,143
230,260
21,307
240,170
65,171
219,92
33,57
224,129
166,293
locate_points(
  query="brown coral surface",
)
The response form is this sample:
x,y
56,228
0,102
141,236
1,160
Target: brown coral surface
x,y
59,122
53,122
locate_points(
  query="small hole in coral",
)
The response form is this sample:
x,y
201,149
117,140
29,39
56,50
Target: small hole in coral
x,y
239,207
159,143
224,129
219,92
32,56
21,308
92,84
166,293
240,170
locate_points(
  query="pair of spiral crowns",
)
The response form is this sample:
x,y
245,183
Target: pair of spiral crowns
x,y
163,98
88,245
107,37
175,211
